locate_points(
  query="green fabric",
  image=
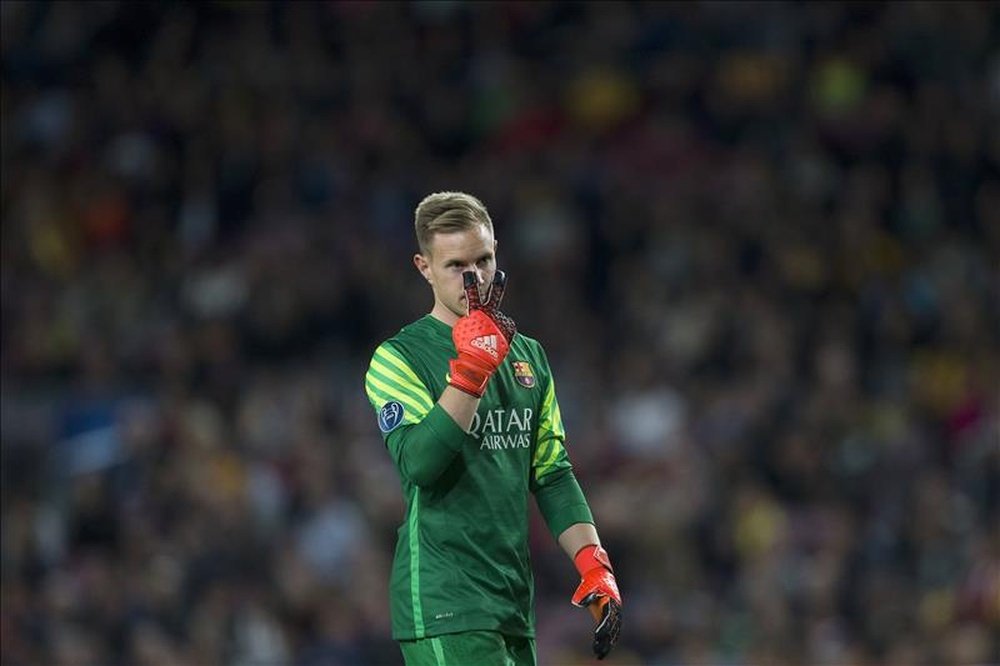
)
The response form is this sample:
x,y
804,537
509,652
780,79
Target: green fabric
x,y
482,648
462,561
423,452
561,502
413,529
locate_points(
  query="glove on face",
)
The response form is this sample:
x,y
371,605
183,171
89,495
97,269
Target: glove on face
x,y
598,591
482,337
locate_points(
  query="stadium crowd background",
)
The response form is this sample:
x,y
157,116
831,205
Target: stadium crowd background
x,y
759,242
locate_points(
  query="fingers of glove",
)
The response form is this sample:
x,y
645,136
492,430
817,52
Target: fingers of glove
x,y
608,614
504,323
471,284
496,290
597,605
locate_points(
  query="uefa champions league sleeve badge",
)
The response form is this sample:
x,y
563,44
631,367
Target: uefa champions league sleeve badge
x,y
390,416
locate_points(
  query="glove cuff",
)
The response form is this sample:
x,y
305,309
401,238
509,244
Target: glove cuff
x,y
467,377
591,557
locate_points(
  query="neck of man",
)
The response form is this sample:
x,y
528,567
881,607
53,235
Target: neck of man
x,y
442,313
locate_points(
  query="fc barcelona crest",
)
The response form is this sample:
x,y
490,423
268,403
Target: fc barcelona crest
x,y
523,374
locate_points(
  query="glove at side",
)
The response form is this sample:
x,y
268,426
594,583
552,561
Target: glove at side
x,y
598,591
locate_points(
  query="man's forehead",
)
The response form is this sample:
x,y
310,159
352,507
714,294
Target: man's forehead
x,y
465,244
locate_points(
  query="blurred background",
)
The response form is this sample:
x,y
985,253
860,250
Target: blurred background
x,y
759,241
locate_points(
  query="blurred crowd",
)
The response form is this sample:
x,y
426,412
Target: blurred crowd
x,y
759,242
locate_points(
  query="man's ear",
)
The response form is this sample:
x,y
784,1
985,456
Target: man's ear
x,y
423,265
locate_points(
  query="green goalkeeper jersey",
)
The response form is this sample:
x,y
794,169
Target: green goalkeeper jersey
x,y
462,560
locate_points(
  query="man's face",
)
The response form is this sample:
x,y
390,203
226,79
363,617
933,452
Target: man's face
x,y
448,256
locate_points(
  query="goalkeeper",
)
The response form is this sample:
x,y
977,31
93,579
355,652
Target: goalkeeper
x,y
468,411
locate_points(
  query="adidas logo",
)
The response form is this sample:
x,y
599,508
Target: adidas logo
x,y
488,343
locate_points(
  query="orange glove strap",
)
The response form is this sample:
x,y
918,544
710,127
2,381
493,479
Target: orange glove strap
x,y
590,557
469,376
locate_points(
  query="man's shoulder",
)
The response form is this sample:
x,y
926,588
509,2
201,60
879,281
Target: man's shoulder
x,y
526,345
395,343
527,341
409,337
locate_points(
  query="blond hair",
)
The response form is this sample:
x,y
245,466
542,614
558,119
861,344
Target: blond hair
x,y
447,212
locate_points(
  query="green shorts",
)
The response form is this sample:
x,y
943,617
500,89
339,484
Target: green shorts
x,y
470,648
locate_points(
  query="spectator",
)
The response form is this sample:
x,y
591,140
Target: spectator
x,y
206,208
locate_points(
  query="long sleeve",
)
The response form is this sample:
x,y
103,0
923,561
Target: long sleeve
x,y
422,438
557,492
562,503
424,450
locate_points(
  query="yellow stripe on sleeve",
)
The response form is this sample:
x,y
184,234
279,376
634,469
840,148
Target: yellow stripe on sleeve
x,y
557,449
390,379
389,355
389,376
550,433
413,411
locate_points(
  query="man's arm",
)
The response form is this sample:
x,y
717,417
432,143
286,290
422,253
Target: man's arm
x,y
556,489
422,437
560,500
432,436
423,451
568,517
577,536
460,406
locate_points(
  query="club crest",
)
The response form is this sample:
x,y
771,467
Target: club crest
x,y
523,374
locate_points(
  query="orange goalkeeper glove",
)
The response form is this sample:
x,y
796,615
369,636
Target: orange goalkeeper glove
x,y
482,337
598,591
